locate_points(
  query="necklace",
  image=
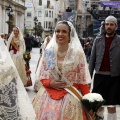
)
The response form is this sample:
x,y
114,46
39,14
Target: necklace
x,y
16,38
61,54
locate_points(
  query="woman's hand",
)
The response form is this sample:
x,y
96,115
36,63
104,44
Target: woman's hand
x,y
14,45
92,114
59,85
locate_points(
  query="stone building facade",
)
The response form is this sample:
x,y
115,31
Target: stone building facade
x,y
16,17
83,18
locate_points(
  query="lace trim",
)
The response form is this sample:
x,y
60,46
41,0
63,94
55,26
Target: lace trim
x,y
7,73
9,109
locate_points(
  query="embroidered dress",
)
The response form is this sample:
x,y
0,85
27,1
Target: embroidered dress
x,y
52,104
17,56
63,107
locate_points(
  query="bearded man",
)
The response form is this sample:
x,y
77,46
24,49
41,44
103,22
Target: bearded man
x,y
105,60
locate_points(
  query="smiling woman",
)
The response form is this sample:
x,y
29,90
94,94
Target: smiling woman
x,y
16,47
63,34
63,66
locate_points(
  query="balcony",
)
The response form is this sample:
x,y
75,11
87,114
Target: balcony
x,y
50,7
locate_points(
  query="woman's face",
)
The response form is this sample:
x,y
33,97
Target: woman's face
x,y
62,34
15,31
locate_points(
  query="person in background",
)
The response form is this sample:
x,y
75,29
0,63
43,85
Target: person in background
x,y
46,41
28,42
82,41
63,65
87,49
37,84
16,47
3,36
105,60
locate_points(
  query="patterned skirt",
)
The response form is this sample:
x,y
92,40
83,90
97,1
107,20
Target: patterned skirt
x,y
67,108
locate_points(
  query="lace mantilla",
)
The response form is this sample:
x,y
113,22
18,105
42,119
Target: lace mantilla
x,y
9,110
7,73
14,100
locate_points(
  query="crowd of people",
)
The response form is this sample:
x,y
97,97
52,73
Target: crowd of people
x,y
65,66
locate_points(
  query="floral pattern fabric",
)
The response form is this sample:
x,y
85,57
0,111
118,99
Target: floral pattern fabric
x,y
67,108
72,68
72,71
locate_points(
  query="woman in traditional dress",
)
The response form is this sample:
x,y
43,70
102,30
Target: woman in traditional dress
x,y
14,101
46,41
63,74
37,84
16,46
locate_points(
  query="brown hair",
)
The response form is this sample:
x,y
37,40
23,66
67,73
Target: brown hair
x,y
65,23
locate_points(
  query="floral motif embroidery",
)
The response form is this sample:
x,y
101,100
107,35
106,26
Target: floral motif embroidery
x,y
50,59
8,98
8,93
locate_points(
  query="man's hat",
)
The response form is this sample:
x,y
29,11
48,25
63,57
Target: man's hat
x,y
111,18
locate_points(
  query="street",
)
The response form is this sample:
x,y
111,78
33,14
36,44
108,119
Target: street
x,y
33,63
30,90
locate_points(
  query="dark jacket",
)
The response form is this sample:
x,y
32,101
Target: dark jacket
x,y
28,40
97,54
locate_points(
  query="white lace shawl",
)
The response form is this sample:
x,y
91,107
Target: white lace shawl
x,y
21,42
14,100
74,63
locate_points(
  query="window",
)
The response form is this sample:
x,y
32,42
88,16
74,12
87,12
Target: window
x,y
49,13
28,24
46,24
28,14
48,4
52,14
40,2
39,14
49,23
46,13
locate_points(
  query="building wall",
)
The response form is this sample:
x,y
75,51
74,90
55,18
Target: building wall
x,y
63,5
29,14
83,17
48,16
21,2
17,15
